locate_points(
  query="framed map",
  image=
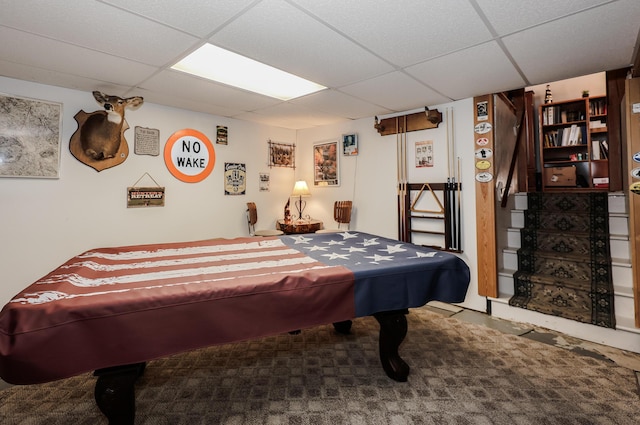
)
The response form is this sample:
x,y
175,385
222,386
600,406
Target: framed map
x,y
30,137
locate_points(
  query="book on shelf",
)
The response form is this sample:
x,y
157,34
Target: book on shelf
x,y
595,150
604,149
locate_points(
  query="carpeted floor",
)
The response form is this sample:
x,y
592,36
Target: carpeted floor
x,y
462,373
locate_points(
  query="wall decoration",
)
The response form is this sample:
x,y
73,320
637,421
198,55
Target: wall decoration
x,y
325,164
222,134
189,155
350,144
424,154
264,182
235,178
30,137
146,141
99,141
140,196
282,155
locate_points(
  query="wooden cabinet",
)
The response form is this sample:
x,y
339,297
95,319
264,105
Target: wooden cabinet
x,y
574,149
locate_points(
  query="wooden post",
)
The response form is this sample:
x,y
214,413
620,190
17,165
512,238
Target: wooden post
x,y
631,182
485,198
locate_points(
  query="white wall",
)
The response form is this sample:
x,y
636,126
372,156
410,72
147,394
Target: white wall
x,y
47,221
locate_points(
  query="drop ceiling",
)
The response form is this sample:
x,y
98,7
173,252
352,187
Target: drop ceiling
x,y
377,57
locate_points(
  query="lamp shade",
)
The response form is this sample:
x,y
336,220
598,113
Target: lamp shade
x,y
301,189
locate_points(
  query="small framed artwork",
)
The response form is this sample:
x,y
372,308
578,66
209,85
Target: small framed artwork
x,y
235,178
282,155
350,144
222,134
30,137
326,167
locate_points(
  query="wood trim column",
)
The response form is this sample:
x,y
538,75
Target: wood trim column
x,y
632,184
483,136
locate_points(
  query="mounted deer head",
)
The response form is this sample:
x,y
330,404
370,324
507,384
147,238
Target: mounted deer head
x,y
99,141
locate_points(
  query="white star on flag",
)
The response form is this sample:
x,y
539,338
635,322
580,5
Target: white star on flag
x,y
369,242
425,254
394,248
300,239
355,249
317,248
347,235
332,242
377,257
335,255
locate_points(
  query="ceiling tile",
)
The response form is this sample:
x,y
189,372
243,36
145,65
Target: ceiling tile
x,y
395,91
198,17
99,27
162,98
282,36
29,49
186,86
341,104
404,32
579,44
507,16
458,75
60,79
292,116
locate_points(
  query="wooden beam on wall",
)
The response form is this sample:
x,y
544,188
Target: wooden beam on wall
x,y
414,122
485,198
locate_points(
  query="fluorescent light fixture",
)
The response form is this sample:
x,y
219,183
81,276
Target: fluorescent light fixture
x,y
223,66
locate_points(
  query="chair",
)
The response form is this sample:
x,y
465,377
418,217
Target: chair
x,y
341,214
252,219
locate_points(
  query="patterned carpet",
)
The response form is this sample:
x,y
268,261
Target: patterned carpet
x,y
564,265
462,373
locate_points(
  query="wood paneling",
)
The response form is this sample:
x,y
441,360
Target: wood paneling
x,y
632,128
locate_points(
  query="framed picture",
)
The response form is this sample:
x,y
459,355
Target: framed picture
x,y
222,135
326,167
282,155
30,137
350,144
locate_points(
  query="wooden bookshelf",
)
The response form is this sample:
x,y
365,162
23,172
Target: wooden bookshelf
x,y
574,147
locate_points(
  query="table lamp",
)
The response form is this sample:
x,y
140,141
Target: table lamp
x,y
299,190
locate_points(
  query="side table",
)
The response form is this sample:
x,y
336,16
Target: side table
x,y
299,226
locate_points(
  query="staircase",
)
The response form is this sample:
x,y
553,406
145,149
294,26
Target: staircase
x,y
625,335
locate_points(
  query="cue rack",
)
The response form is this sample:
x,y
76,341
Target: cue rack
x,y
446,211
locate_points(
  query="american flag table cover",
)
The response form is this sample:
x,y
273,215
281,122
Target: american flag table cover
x,y
116,306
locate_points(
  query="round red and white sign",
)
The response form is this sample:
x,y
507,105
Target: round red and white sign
x,y
189,155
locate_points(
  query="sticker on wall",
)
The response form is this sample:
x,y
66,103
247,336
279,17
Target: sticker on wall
x,y
264,182
482,110
235,178
189,155
484,177
635,173
484,153
483,165
222,135
483,141
146,141
635,188
636,157
483,128
424,154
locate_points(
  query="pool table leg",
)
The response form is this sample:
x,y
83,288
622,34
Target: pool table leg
x,y
393,329
114,392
